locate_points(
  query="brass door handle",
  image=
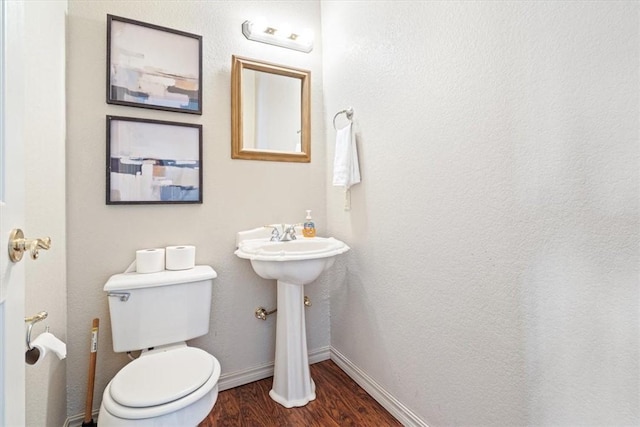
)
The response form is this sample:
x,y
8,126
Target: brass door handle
x,y
18,245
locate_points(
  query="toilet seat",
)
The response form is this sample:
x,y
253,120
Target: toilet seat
x,y
161,383
161,378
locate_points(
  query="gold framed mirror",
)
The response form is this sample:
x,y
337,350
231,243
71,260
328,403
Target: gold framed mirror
x,y
270,112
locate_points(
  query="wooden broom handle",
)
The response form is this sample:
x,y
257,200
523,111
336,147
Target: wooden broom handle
x,y
88,408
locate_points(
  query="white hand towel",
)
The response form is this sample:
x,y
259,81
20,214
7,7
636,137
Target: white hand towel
x,y
346,171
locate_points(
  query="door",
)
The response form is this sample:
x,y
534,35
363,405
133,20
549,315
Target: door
x,y
12,367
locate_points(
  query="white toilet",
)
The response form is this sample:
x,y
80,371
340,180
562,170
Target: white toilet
x,y
170,384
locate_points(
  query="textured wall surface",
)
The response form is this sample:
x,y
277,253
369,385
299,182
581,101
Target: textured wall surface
x,y
238,194
45,279
493,277
494,273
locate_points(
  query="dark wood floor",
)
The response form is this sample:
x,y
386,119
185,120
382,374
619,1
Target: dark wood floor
x,y
339,402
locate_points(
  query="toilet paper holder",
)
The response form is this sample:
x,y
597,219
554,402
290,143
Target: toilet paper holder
x,y
30,321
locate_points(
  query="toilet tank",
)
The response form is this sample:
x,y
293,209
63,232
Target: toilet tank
x,y
148,310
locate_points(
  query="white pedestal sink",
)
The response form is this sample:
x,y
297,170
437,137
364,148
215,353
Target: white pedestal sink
x,y
293,264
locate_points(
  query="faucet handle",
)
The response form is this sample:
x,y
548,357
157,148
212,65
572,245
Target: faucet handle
x,y
291,231
275,234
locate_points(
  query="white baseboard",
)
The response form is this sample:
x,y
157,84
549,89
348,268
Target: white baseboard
x,y
76,421
375,390
231,380
246,376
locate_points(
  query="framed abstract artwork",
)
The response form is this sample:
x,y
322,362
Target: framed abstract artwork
x,y
155,67
153,161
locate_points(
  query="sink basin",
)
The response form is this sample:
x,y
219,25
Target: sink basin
x,y
293,264
298,261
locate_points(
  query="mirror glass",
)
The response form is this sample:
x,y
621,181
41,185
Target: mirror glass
x,y
270,112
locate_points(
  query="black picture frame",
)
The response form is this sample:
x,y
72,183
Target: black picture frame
x,y
150,66
153,162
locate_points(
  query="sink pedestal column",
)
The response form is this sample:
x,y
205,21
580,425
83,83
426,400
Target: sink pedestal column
x,y
292,383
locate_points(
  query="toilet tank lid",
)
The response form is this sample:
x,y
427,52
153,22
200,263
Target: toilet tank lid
x,y
135,280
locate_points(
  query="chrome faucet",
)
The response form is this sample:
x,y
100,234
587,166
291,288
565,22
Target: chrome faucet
x,y
288,233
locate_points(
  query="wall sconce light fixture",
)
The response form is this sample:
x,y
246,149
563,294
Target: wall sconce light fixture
x,y
261,32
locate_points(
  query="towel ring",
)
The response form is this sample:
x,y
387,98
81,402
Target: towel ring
x,y
349,113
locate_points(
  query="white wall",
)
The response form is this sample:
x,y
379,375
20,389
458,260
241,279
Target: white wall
x,y
494,273
238,194
45,200
493,277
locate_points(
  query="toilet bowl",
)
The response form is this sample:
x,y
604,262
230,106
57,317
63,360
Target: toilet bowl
x,y
175,386
171,383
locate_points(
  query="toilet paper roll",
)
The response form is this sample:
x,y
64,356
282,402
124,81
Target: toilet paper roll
x,y
44,344
150,260
180,257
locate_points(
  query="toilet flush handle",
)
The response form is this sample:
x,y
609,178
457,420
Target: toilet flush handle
x,y
124,296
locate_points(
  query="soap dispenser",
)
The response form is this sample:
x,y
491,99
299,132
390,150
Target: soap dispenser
x,y
309,227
